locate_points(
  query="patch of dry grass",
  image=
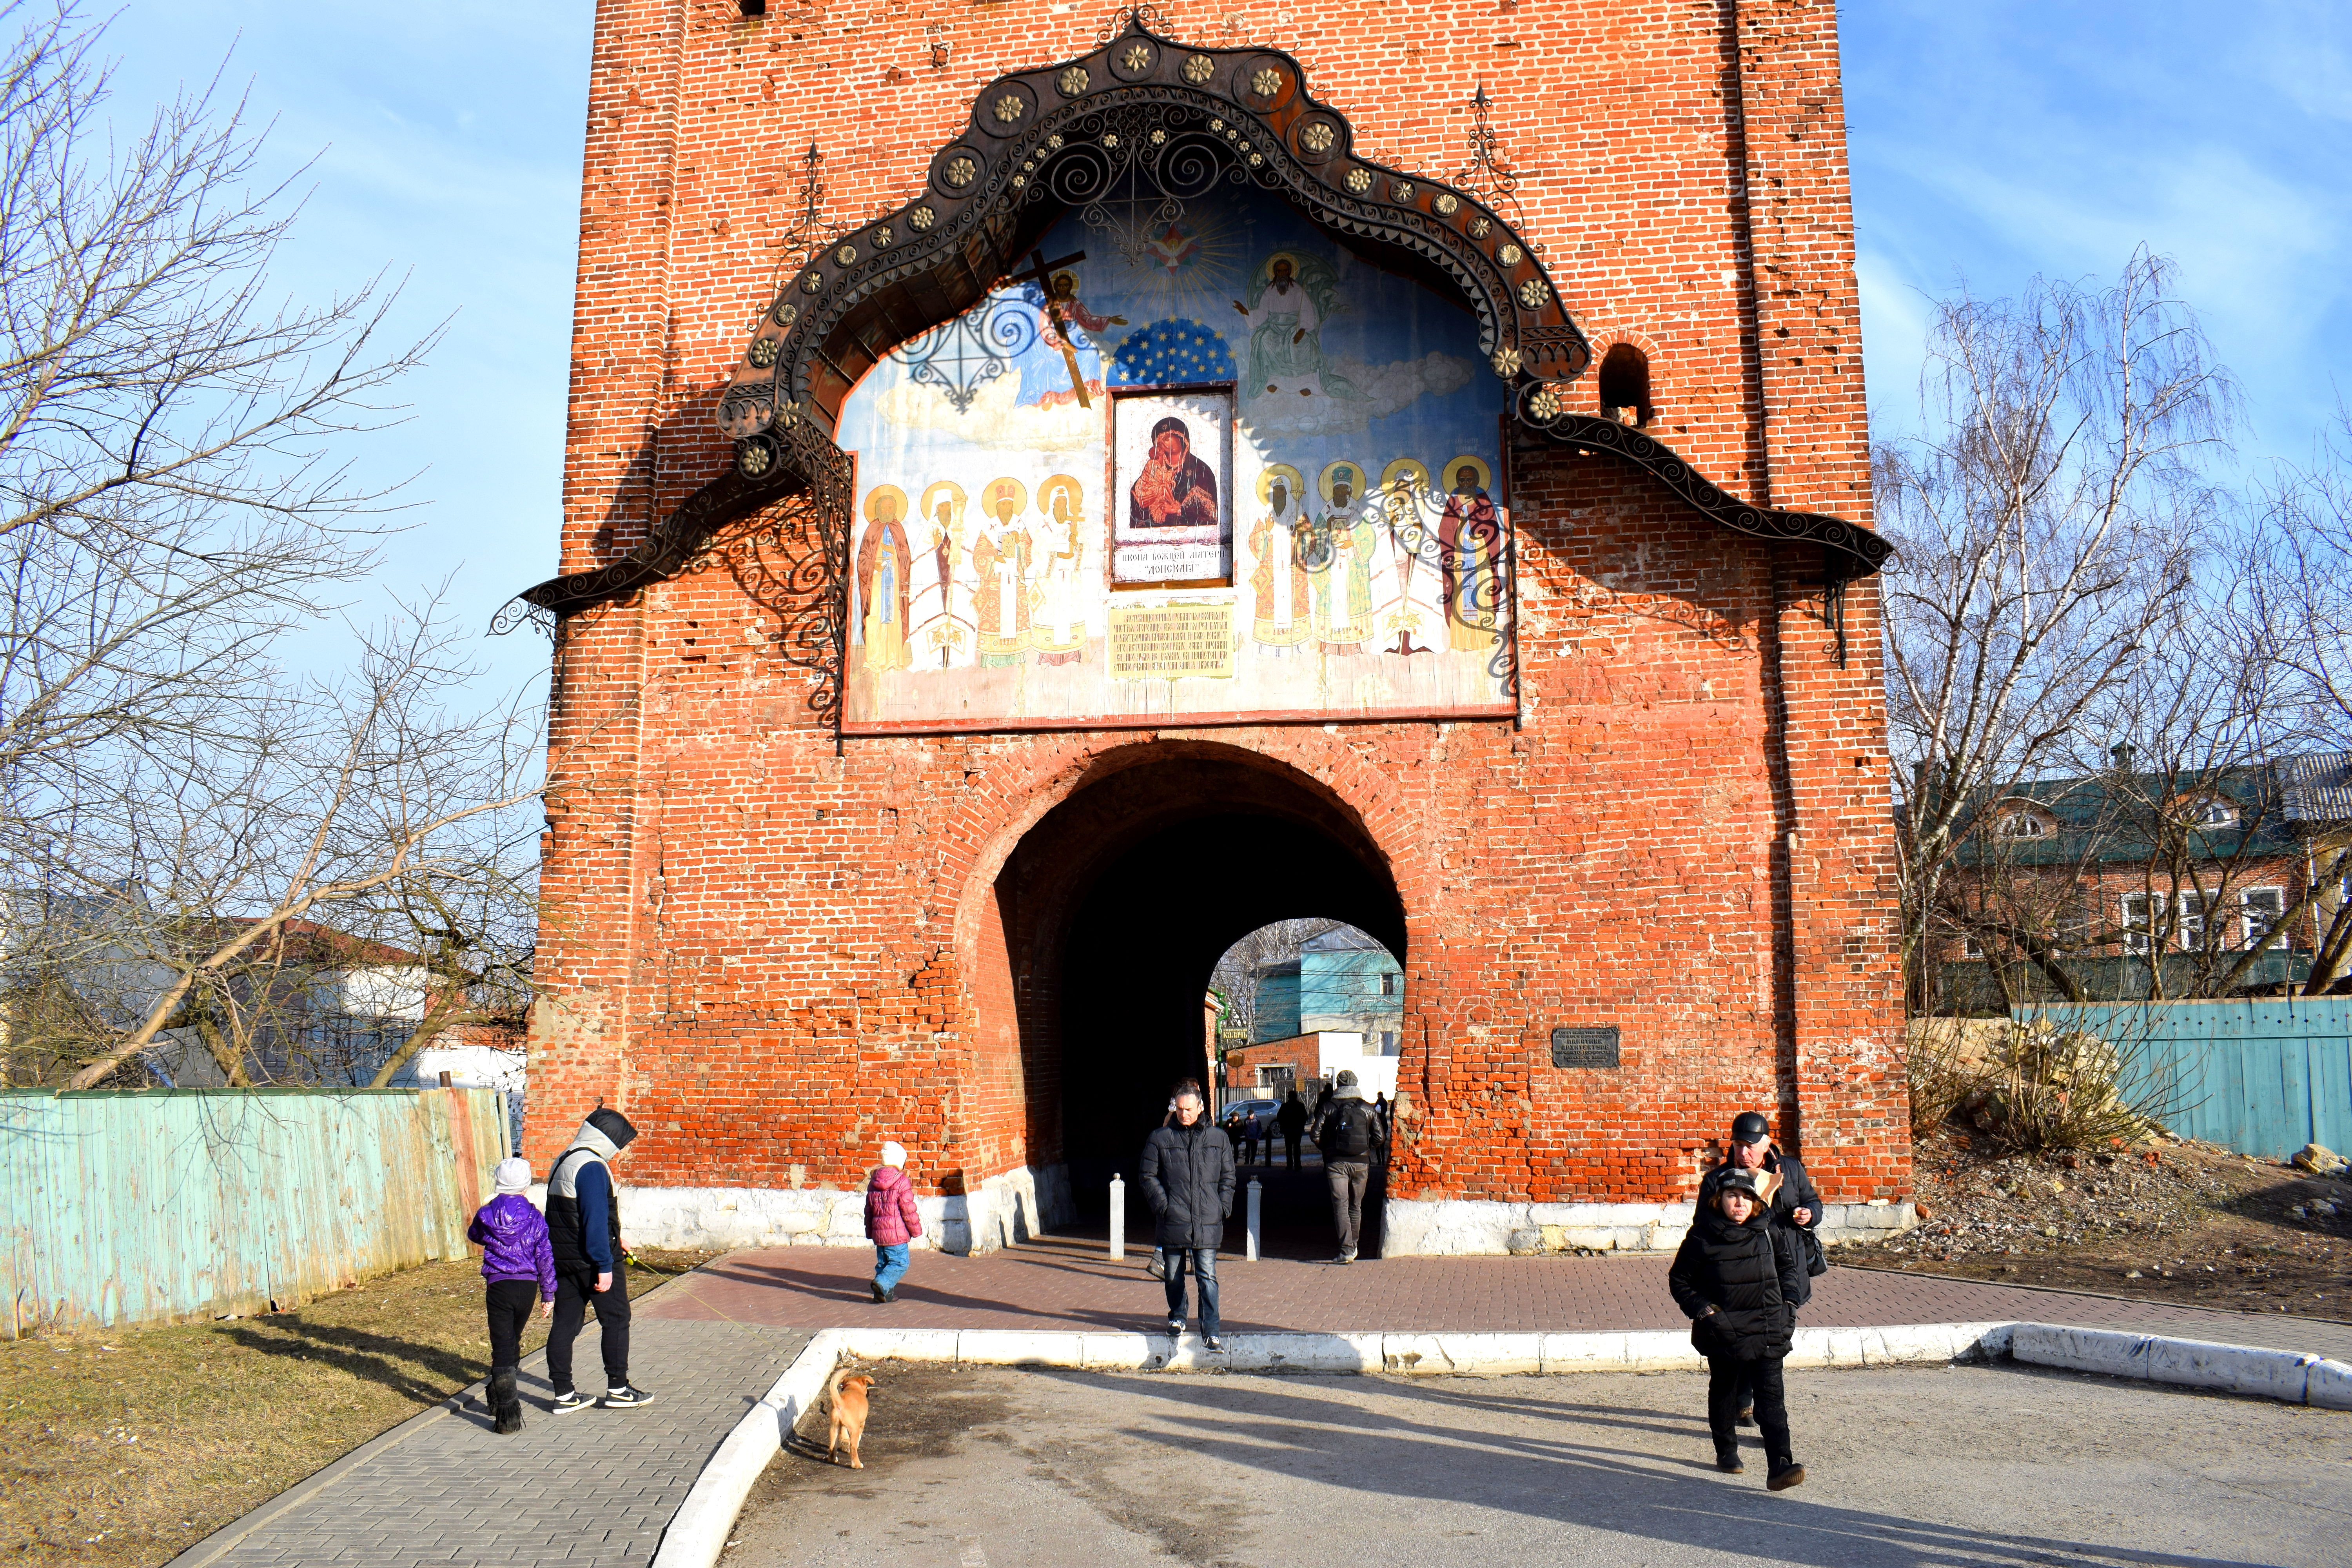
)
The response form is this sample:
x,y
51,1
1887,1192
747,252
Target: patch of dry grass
x,y
122,1449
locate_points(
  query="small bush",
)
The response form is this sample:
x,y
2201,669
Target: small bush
x,y
2048,1088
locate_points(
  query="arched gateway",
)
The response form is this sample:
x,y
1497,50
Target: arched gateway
x,y
1153,500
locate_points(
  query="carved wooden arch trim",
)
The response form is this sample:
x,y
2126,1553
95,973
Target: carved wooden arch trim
x,y
1007,177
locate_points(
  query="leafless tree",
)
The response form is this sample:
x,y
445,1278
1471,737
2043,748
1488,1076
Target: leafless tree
x,y
2049,521
171,500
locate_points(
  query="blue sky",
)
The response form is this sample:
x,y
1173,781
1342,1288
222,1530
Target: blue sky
x,y
1991,140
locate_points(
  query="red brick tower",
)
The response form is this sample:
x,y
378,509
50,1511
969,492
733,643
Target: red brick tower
x,y
1642,882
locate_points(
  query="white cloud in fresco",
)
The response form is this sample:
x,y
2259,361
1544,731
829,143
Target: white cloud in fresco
x,y
1387,389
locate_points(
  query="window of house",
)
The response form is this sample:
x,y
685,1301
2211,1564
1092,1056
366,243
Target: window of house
x,y
1970,947
1389,985
2191,927
2209,811
2139,919
2074,929
2021,824
1389,1045
2261,909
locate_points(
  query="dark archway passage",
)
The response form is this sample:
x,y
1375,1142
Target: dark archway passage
x,y
1115,908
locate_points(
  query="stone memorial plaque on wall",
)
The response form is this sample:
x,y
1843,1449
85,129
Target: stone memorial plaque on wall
x,y
1584,1047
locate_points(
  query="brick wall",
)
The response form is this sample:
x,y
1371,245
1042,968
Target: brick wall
x,y
773,957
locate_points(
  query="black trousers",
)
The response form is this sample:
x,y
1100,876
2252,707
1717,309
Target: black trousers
x,y
575,1292
1726,1379
1290,1148
510,1301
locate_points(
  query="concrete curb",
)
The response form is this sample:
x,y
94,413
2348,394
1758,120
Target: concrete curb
x,y
2291,1377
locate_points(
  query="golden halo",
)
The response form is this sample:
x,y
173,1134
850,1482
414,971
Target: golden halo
x,y
879,493
1266,482
991,491
954,493
1355,480
1454,466
1412,468
1290,256
1056,486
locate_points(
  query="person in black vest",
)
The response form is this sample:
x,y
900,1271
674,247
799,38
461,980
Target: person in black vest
x,y
1188,1176
1352,1139
584,1222
1787,1193
1735,1277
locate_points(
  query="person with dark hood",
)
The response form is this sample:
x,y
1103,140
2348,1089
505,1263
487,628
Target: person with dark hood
x,y
1188,1176
1292,1120
1734,1276
584,1226
1788,1193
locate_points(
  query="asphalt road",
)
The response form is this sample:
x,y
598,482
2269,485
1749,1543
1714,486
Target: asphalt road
x,y
985,1468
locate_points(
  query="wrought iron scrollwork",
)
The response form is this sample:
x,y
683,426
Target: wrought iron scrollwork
x,y
960,357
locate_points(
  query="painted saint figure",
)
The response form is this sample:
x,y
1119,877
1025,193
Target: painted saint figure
x,y
1000,555
1175,489
883,560
1277,577
1408,597
1470,538
1058,628
1295,295
1343,586
941,611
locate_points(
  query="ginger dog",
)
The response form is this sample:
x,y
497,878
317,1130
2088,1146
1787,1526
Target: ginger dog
x,y
847,1398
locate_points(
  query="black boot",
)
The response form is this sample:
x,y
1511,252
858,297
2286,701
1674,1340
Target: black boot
x,y
506,1405
1727,1459
1785,1474
879,1294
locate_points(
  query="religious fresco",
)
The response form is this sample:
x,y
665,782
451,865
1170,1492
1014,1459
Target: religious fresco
x,y
1212,466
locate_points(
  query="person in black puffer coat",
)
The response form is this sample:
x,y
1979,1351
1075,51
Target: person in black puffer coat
x,y
1736,1277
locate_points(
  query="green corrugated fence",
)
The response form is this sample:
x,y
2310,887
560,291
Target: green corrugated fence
x,y
2263,1075
150,1205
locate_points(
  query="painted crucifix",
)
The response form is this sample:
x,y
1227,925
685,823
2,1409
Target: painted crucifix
x,y
1064,309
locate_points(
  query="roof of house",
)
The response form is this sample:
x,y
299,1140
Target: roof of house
x,y
2115,817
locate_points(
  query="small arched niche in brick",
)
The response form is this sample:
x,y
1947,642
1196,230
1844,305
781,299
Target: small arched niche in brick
x,y
1625,386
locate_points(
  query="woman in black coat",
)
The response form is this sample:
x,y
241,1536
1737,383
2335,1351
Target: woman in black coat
x,y
1737,1278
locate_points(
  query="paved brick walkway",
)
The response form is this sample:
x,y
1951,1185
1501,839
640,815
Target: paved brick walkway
x,y
595,1488
598,1487
1064,1283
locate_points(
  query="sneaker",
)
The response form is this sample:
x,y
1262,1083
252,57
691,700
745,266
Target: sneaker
x,y
1344,1257
1781,1480
1726,1459
1215,1345
879,1294
625,1397
1175,1328
567,1402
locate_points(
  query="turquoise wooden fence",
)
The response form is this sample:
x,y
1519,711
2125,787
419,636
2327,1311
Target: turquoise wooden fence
x,y
2264,1076
151,1205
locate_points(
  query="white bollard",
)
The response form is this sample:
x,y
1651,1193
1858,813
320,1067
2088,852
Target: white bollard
x,y
1251,1243
1118,1217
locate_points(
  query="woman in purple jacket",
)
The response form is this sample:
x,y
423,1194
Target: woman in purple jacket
x,y
520,1264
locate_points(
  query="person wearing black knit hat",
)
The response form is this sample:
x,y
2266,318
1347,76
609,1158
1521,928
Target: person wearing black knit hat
x,y
584,1222
1785,1190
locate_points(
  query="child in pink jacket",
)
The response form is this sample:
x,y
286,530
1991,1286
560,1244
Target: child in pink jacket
x,y
891,1220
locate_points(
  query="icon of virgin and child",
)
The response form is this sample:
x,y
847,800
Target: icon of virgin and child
x,y
1175,489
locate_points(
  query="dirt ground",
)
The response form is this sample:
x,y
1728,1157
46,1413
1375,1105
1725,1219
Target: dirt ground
x,y
123,1448
2188,1223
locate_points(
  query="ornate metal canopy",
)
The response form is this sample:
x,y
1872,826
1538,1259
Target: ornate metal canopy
x,y
1120,134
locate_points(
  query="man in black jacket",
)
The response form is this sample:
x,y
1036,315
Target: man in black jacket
x,y
1785,1188
1352,1139
1188,1176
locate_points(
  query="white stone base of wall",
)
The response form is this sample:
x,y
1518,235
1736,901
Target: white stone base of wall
x,y
1007,1209
1414,1227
